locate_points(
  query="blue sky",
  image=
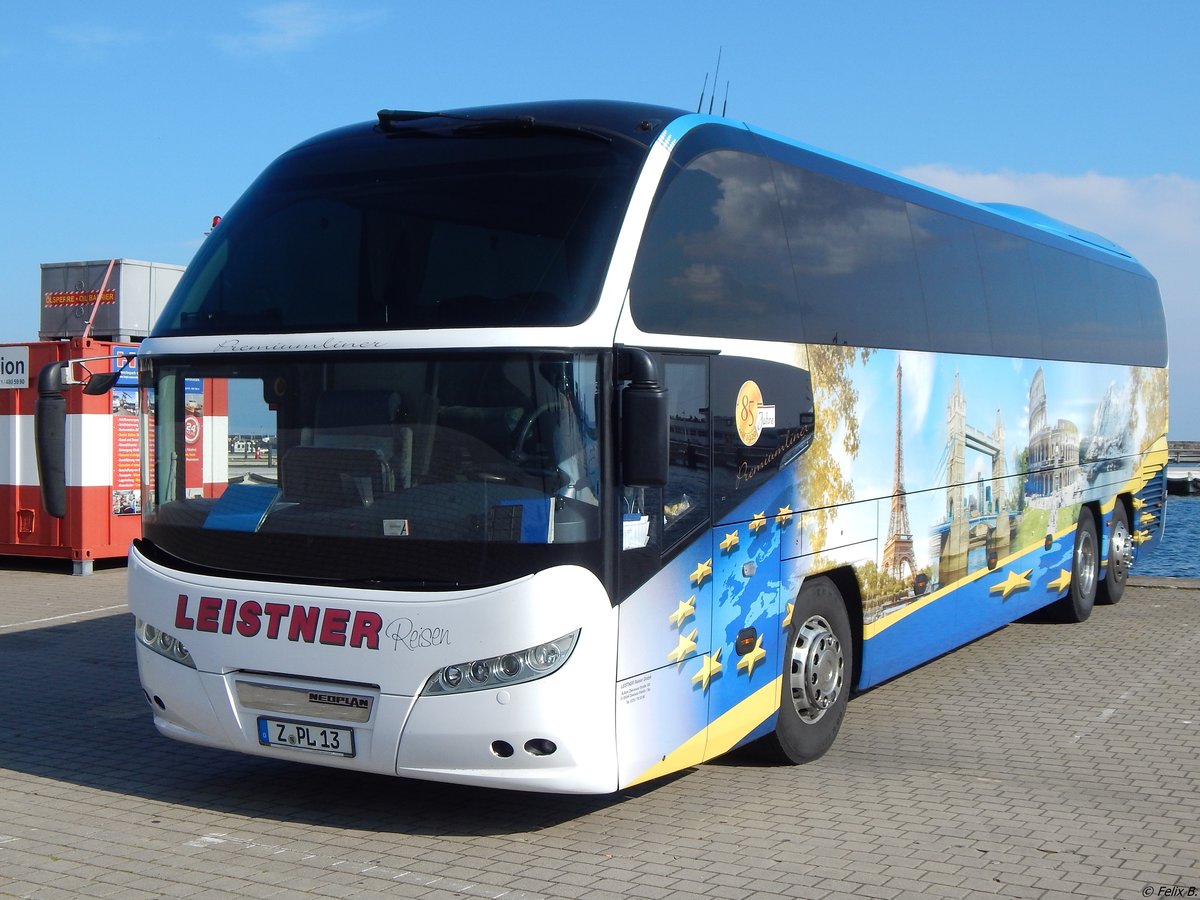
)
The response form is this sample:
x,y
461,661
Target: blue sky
x,y
127,126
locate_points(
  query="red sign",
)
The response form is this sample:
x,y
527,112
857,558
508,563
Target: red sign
x,y
77,298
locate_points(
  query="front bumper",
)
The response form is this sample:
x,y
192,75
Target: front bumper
x,y
553,734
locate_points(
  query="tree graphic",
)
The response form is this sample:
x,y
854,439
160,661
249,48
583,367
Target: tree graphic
x,y
824,480
1149,394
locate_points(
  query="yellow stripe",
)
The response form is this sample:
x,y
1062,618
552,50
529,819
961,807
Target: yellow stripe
x,y
722,735
870,631
1155,458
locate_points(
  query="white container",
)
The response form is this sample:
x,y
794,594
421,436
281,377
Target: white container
x,y
136,293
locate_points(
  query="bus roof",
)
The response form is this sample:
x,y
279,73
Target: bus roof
x,y
647,123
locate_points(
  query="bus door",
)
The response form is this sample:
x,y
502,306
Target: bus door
x,y
763,422
703,619
667,588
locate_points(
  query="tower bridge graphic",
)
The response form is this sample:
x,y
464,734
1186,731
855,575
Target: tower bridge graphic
x,y
984,519
977,513
982,512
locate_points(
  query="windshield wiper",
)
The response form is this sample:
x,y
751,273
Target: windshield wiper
x,y
520,125
400,121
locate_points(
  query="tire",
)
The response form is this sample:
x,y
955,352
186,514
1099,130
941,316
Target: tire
x,y
1085,571
817,669
1120,557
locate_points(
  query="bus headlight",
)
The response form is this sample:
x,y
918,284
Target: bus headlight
x,y
501,671
162,643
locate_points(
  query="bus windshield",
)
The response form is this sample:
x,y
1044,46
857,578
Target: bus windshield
x,y
448,228
422,471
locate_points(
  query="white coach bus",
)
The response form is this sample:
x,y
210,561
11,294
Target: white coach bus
x,y
612,437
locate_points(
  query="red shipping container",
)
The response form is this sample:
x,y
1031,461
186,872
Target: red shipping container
x,y
103,465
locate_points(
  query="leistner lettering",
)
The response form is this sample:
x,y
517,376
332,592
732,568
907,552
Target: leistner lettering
x,y
249,618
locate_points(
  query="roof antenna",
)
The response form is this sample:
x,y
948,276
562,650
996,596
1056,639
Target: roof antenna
x,y
700,105
725,105
713,98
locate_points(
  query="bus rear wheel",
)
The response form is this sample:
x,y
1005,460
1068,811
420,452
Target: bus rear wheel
x,y
817,666
1120,557
1085,571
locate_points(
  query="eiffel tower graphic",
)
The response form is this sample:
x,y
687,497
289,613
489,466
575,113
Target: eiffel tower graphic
x,y
898,559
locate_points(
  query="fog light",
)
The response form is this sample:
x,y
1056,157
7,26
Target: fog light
x,y
162,643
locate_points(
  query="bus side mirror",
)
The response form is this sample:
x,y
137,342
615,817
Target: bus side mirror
x,y
49,428
645,425
101,383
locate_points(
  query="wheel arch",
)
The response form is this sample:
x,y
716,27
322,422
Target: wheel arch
x,y
846,582
1112,586
1125,498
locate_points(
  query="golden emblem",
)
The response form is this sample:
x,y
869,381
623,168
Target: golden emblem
x,y
749,399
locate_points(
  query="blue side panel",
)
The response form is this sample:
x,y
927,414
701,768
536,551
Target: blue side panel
x,y
1149,516
678,668
665,633
984,602
747,606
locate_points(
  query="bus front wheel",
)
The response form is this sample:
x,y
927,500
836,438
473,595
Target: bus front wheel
x,y
1085,571
1120,557
817,666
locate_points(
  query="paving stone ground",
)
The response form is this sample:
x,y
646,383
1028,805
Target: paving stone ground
x,y
1042,761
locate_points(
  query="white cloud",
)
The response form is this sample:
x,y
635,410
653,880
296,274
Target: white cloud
x,y
917,380
1156,218
291,26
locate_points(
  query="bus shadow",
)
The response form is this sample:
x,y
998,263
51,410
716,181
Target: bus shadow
x,y
75,713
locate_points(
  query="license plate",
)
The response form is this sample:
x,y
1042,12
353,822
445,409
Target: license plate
x,y
306,736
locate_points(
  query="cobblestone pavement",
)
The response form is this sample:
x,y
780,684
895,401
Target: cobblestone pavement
x,y
1041,761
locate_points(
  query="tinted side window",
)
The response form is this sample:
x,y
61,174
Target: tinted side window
x,y
856,271
714,259
953,283
1154,325
1070,311
1129,308
1012,303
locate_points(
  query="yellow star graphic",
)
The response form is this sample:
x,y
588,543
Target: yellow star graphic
x,y
709,667
1138,502
759,520
787,620
1146,518
1061,583
1016,581
731,541
687,643
753,658
784,515
1141,537
703,570
683,610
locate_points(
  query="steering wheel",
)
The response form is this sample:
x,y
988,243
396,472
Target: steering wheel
x,y
525,428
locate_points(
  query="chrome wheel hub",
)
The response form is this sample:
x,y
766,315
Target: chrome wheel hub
x,y
818,669
1085,563
1121,555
